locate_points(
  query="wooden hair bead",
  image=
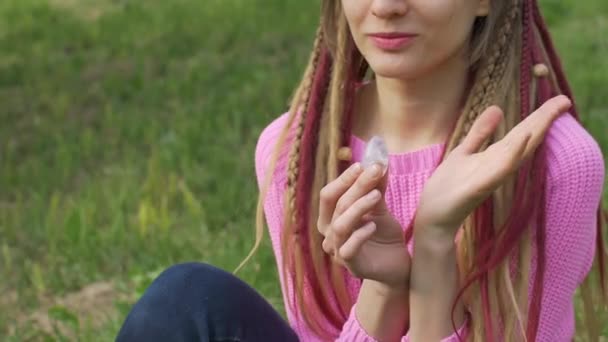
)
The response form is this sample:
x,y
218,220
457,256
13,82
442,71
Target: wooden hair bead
x,y
345,154
541,70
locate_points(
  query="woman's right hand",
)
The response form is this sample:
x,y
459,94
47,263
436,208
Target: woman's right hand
x,y
359,231
467,176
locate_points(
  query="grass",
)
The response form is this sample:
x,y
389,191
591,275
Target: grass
x,y
128,136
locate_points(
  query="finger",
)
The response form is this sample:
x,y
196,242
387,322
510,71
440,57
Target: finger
x,y
543,119
343,225
482,129
521,142
537,123
367,181
333,191
367,217
519,155
511,157
352,246
514,156
328,246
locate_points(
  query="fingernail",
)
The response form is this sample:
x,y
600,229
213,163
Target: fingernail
x,y
375,170
356,167
374,195
369,226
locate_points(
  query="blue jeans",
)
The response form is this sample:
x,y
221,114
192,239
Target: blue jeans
x,y
197,302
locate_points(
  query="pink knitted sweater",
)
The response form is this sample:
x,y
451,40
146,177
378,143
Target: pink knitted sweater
x,y
575,180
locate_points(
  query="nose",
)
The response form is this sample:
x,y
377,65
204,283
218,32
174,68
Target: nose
x,y
389,8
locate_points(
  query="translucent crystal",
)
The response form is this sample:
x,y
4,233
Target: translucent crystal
x,y
376,152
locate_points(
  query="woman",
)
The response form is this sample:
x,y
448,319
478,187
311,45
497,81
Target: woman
x,y
485,224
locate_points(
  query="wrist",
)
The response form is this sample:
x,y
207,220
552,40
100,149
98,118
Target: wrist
x,y
434,241
382,311
387,291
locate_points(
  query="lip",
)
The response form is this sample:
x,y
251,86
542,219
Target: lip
x,y
392,41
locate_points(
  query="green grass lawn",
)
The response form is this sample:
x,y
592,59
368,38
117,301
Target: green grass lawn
x,y
128,133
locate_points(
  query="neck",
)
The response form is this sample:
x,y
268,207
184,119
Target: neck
x,y
413,113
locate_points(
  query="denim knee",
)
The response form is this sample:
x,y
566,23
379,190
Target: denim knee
x,y
193,286
175,306
202,303
182,279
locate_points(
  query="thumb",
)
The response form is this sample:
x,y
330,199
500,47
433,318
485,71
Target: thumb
x,y
382,185
383,182
380,208
482,129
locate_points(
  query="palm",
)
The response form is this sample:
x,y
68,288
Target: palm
x,y
383,257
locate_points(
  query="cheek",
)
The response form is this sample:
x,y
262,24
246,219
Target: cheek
x,y
448,34
354,12
449,22
448,39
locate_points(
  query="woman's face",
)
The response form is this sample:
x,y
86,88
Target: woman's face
x,y
408,38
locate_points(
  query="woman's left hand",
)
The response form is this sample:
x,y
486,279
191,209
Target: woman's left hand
x,y
467,177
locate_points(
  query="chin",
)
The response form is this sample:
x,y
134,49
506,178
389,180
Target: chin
x,y
394,70
400,65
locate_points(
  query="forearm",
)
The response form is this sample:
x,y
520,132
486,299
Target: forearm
x,y
434,285
382,311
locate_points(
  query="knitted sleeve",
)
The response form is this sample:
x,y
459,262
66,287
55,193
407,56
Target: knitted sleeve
x,y
575,181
